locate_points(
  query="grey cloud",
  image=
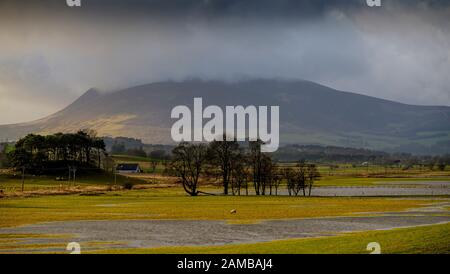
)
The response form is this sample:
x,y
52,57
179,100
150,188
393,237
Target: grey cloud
x,y
51,53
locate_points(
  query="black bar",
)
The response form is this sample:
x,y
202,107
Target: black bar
x,y
307,264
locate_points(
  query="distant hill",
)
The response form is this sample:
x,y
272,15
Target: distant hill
x,y
309,114
330,154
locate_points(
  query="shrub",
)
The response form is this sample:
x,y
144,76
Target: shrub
x,y
128,185
441,166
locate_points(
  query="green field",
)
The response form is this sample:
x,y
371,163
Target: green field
x,y
352,181
13,182
157,197
431,239
144,162
174,204
418,240
340,170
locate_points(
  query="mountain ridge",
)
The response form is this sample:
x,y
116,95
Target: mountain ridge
x,y
310,113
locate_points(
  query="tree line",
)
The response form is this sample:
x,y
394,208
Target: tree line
x,y
238,169
356,156
42,154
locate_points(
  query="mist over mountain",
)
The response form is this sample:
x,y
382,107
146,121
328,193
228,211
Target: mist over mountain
x,y
309,114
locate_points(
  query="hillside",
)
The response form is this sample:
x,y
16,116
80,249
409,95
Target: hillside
x,y
309,114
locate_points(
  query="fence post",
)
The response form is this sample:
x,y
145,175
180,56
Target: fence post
x,y
23,178
74,175
68,180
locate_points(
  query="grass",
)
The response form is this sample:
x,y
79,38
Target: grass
x,y
174,204
352,181
342,170
132,159
13,182
26,236
144,163
432,239
52,248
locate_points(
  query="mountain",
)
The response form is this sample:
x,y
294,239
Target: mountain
x,y
309,114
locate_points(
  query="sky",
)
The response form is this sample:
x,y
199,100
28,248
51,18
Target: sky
x,y
50,53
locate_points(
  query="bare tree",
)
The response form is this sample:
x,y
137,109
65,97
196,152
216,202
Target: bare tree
x,y
302,176
289,175
188,163
240,175
267,174
255,159
296,179
153,165
223,154
276,181
311,175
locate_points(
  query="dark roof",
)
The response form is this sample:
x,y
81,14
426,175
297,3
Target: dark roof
x,y
127,166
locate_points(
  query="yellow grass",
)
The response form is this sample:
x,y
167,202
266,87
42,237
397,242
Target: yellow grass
x,y
174,204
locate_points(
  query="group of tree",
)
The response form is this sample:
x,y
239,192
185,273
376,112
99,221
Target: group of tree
x,y
333,155
124,143
301,178
4,148
327,154
135,147
437,162
237,168
423,162
159,154
44,154
120,149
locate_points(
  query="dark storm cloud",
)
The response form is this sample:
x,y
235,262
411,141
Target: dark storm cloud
x,y
265,9
51,53
188,9
208,8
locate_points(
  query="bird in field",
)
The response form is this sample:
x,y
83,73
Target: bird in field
x,y
233,211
